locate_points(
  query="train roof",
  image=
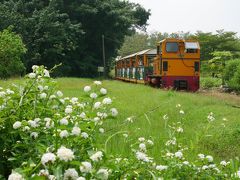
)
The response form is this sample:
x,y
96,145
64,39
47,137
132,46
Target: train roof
x,y
178,40
146,51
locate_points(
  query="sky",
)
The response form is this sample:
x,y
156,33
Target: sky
x,y
192,15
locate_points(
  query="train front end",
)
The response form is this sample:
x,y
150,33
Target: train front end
x,y
177,64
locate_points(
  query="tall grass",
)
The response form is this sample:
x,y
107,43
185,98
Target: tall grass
x,y
148,106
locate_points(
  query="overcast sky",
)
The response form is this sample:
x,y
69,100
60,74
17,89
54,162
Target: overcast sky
x,y
192,15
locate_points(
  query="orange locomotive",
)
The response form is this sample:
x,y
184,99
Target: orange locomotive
x,y
175,64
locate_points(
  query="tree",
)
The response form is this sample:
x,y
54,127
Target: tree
x,y
221,41
70,31
11,51
218,63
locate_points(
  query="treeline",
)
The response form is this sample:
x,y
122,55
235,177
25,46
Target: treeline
x,y
209,42
69,32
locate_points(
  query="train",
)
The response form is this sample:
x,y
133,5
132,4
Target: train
x,y
174,64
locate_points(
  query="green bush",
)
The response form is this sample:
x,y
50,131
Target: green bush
x,y
210,82
11,50
230,69
232,74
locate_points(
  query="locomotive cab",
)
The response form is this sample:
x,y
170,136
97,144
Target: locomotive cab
x,y
177,65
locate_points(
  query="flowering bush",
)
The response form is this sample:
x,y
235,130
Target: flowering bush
x,y
48,136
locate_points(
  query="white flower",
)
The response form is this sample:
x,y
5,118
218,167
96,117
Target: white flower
x,y
101,130
161,167
129,119
76,131
86,167
165,117
97,82
93,95
114,112
84,135
64,121
171,142
87,89
35,67
2,94
52,97
70,173
81,178
141,139
179,129
97,156
15,176
211,117
43,172
46,73
103,174
107,101
63,134
181,112
34,135
68,110
178,105
178,154
168,154
185,162
142,147
82,115
59,93
103,91
142,156
201,156
40,88
74,100
224,163
96,119
65,154
17,125
43,96
150,142
48,157
26,128
52,177
204,167
31,75
209,158
237,174
125,135
33,124
97,105
9,91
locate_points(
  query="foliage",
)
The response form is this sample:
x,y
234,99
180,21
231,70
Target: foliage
x,y
62,134
210,82
218,63
70,32
11,51
221,41
232,74
230,69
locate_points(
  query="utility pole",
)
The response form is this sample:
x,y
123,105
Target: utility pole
x,y
104,60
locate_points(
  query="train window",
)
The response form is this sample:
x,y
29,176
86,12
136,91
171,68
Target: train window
x,y
165,66
172,47
191,47
196,66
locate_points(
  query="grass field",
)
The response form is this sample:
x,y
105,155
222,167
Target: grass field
x,y
148,105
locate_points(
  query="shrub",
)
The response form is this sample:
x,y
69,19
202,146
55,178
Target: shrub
x,y
230,69
232,74
11,50
210,82
48,136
